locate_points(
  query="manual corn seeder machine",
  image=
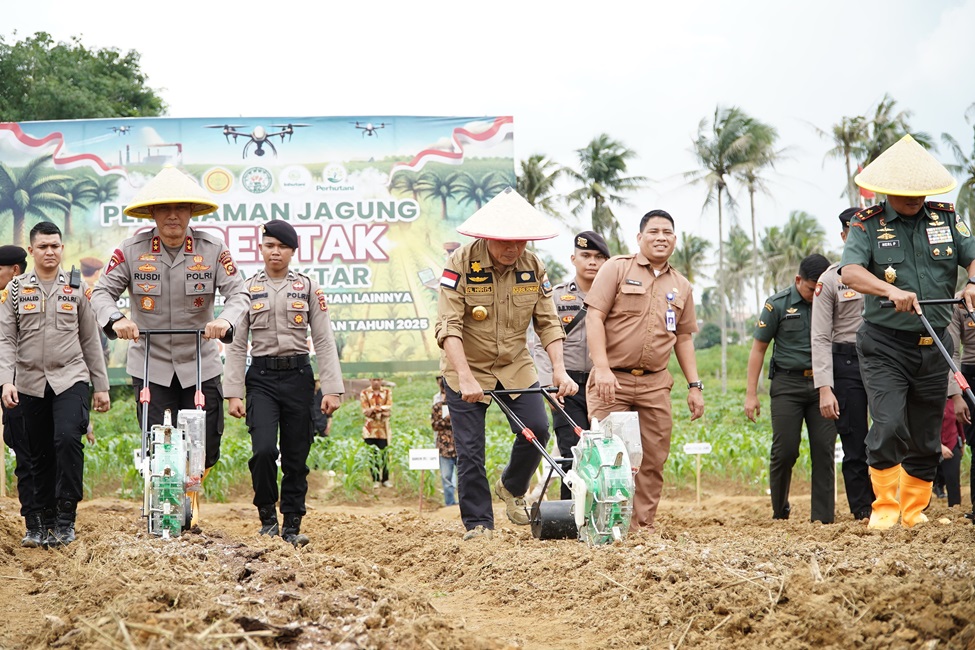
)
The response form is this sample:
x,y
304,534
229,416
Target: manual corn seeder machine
x,y
172,457
600,478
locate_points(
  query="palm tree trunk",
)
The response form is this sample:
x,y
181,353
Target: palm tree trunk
x,y
758,297
18,229
724,310
850,186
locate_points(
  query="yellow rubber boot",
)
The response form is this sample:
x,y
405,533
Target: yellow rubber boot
x,y
195,500
886,509
915,496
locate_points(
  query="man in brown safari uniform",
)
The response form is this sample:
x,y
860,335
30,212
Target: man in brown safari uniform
x,y
489,292
172,273
641,308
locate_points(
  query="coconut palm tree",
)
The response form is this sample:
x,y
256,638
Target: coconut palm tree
x,y
689,257
738,272
441,187
480,190
762,155
849,137
33,190
886,127
964,169
602,165
785,248
79,193
536,183
721,148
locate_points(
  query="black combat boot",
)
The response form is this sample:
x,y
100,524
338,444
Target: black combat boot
x,y
291,532
269,521
64,530
35,531
50,517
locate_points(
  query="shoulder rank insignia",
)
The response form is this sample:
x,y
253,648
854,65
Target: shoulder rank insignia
x,y
942,206
475,267
769,306
866,213
3,296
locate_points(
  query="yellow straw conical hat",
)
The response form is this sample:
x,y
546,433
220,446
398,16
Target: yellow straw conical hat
x,y
906,169
508,216
170,186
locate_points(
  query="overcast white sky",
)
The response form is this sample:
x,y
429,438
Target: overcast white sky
x,y
643,72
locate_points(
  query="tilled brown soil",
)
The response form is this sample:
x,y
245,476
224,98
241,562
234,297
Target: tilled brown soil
x,y
718,575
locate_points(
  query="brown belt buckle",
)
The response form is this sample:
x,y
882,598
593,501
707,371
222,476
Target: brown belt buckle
x,y
925,340
807,373
638,372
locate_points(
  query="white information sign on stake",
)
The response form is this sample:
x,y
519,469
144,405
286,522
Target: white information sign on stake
x,y
838,452
424,459
695,448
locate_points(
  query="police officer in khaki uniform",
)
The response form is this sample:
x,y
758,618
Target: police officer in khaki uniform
x,y
490,290
172,273
49,340
280,383
591,252
640,309
836,374
786,319
903,250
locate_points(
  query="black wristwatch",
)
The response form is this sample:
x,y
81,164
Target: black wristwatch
x,y
115,317
110,332
695,384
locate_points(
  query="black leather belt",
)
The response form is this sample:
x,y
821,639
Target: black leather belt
x,y
578,376
790,371
280,363
636,372
967,369
917,338
845,348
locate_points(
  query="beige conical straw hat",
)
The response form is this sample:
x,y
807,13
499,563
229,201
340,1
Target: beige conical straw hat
x,y
170,186
508,216
906,169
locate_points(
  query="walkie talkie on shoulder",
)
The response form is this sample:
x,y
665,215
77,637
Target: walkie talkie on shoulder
x,y
74,280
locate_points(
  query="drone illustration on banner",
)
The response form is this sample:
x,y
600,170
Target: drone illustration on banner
x,y
119,130
369,128
258,137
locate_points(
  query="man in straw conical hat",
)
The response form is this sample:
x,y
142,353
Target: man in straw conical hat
x,y
172,273
490,291
905,249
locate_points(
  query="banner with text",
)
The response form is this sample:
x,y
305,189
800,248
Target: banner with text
x,y
375,202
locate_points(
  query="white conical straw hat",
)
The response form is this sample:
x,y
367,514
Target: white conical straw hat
x,y
906,169
508,216
170,186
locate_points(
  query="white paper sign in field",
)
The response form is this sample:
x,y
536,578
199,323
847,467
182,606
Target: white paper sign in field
x,y
695,448
424,459
838,452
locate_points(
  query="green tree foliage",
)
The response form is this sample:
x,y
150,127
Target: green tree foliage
x,y
722,147
441,187
691,256
536,183
737,275
887,126
601,179
848,137
33,189
785,247
481,189
44,80
964,169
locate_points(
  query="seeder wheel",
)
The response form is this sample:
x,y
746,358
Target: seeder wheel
x,y
553,520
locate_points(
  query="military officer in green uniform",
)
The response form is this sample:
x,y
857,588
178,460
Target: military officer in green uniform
x,y
786,319
905,250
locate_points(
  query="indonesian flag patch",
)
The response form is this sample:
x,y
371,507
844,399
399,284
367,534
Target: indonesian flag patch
x,y
449,279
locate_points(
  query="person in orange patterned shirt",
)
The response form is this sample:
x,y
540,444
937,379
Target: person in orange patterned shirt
x,y
377,406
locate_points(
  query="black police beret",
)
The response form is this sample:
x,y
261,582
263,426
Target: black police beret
x,y
846,215
593,241
282,231
10,255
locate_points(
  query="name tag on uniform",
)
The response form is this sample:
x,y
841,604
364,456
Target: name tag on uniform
x,y
792,316
636,283
671,319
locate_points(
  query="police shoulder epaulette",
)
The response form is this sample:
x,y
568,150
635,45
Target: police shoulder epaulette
x,y
941,206
866,213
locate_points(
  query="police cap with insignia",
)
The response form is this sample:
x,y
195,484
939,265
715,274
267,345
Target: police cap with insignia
x,y
10,255
283,231
587,240
906,169
846,215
